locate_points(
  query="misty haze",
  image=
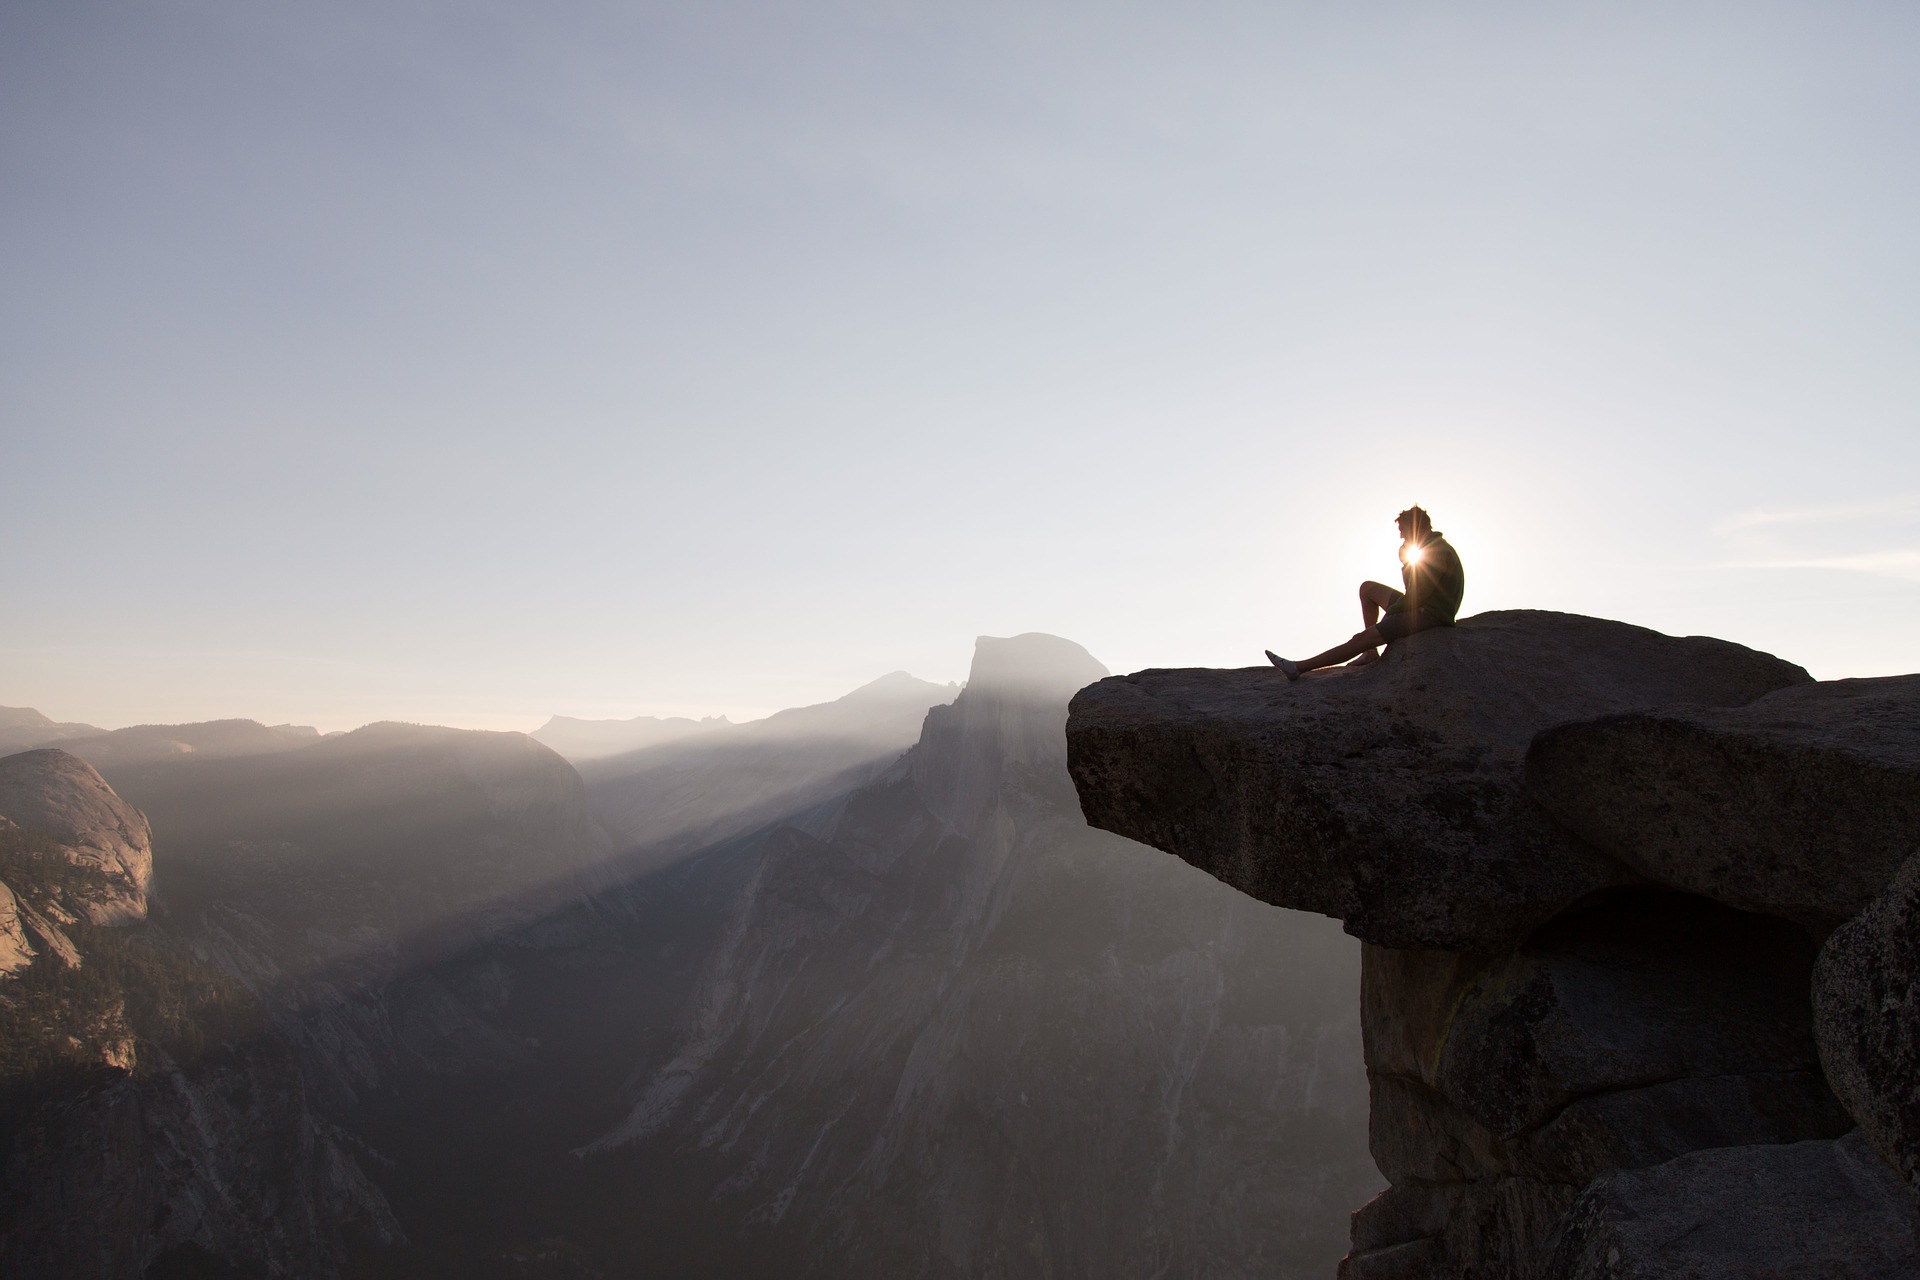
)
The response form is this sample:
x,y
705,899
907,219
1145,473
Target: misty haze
x,y
850,990
1033,641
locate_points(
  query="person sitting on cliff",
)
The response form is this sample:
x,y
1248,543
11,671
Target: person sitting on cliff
x,y
1431,570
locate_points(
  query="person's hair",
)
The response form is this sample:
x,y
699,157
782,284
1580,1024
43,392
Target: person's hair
x,y
1417,517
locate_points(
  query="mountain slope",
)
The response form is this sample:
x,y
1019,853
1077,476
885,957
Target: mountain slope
x,y
147,1109
682,796
932,1025
374,845
207,739
951,1030
580,740
23,727
108,844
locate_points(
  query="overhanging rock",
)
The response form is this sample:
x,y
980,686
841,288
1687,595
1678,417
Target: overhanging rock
x,y
1391,796
1801,804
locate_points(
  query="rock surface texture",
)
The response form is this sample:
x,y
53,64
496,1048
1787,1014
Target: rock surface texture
x,y
1866,999
1742,1213
1390,796
1800,804
61,796
1593,866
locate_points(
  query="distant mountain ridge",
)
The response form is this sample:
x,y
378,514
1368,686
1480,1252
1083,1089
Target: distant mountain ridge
x,y
399,1011
23,727
579,740
206,739
395,835
949,1030
172,1089
684,795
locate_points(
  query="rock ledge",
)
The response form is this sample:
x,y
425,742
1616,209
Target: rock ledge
x,y
1605,878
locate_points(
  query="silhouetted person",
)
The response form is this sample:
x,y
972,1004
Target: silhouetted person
x,y
1434,580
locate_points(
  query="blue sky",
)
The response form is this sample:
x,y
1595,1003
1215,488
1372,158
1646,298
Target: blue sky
x,y
468,363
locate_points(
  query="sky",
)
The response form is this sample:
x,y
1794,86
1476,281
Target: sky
x,y
471,363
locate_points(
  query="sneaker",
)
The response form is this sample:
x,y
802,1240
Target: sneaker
x,y
1289,669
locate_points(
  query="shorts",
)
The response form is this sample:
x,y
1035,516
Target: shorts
x,y
1398,626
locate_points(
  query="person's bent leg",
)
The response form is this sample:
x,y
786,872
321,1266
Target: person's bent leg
x,y
1374,597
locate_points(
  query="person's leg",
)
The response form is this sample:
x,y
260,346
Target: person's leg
x,y
1395,626
1362,642
1374,597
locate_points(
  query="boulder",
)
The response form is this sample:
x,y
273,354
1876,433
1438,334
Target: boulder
x,y
1639,990
1418,1135
1636,1128
107,839
1798,1210
1494,1227
1866,998
1801,803
1629,1031
1390,796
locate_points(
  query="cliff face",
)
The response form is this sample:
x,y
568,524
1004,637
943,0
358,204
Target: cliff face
x,y
145,1105
1594,867
107,841
952,1031
931,1025
178,1086
1390,796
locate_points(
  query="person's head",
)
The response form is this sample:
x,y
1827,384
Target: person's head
x,y
1415,525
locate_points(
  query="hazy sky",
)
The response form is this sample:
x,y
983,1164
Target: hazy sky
x,y
472,362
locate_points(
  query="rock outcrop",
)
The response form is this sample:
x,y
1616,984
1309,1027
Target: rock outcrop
x,y
1866,999
61,796
177,1092
1741,1213
1390,796
16,951
1799,804
1593,865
